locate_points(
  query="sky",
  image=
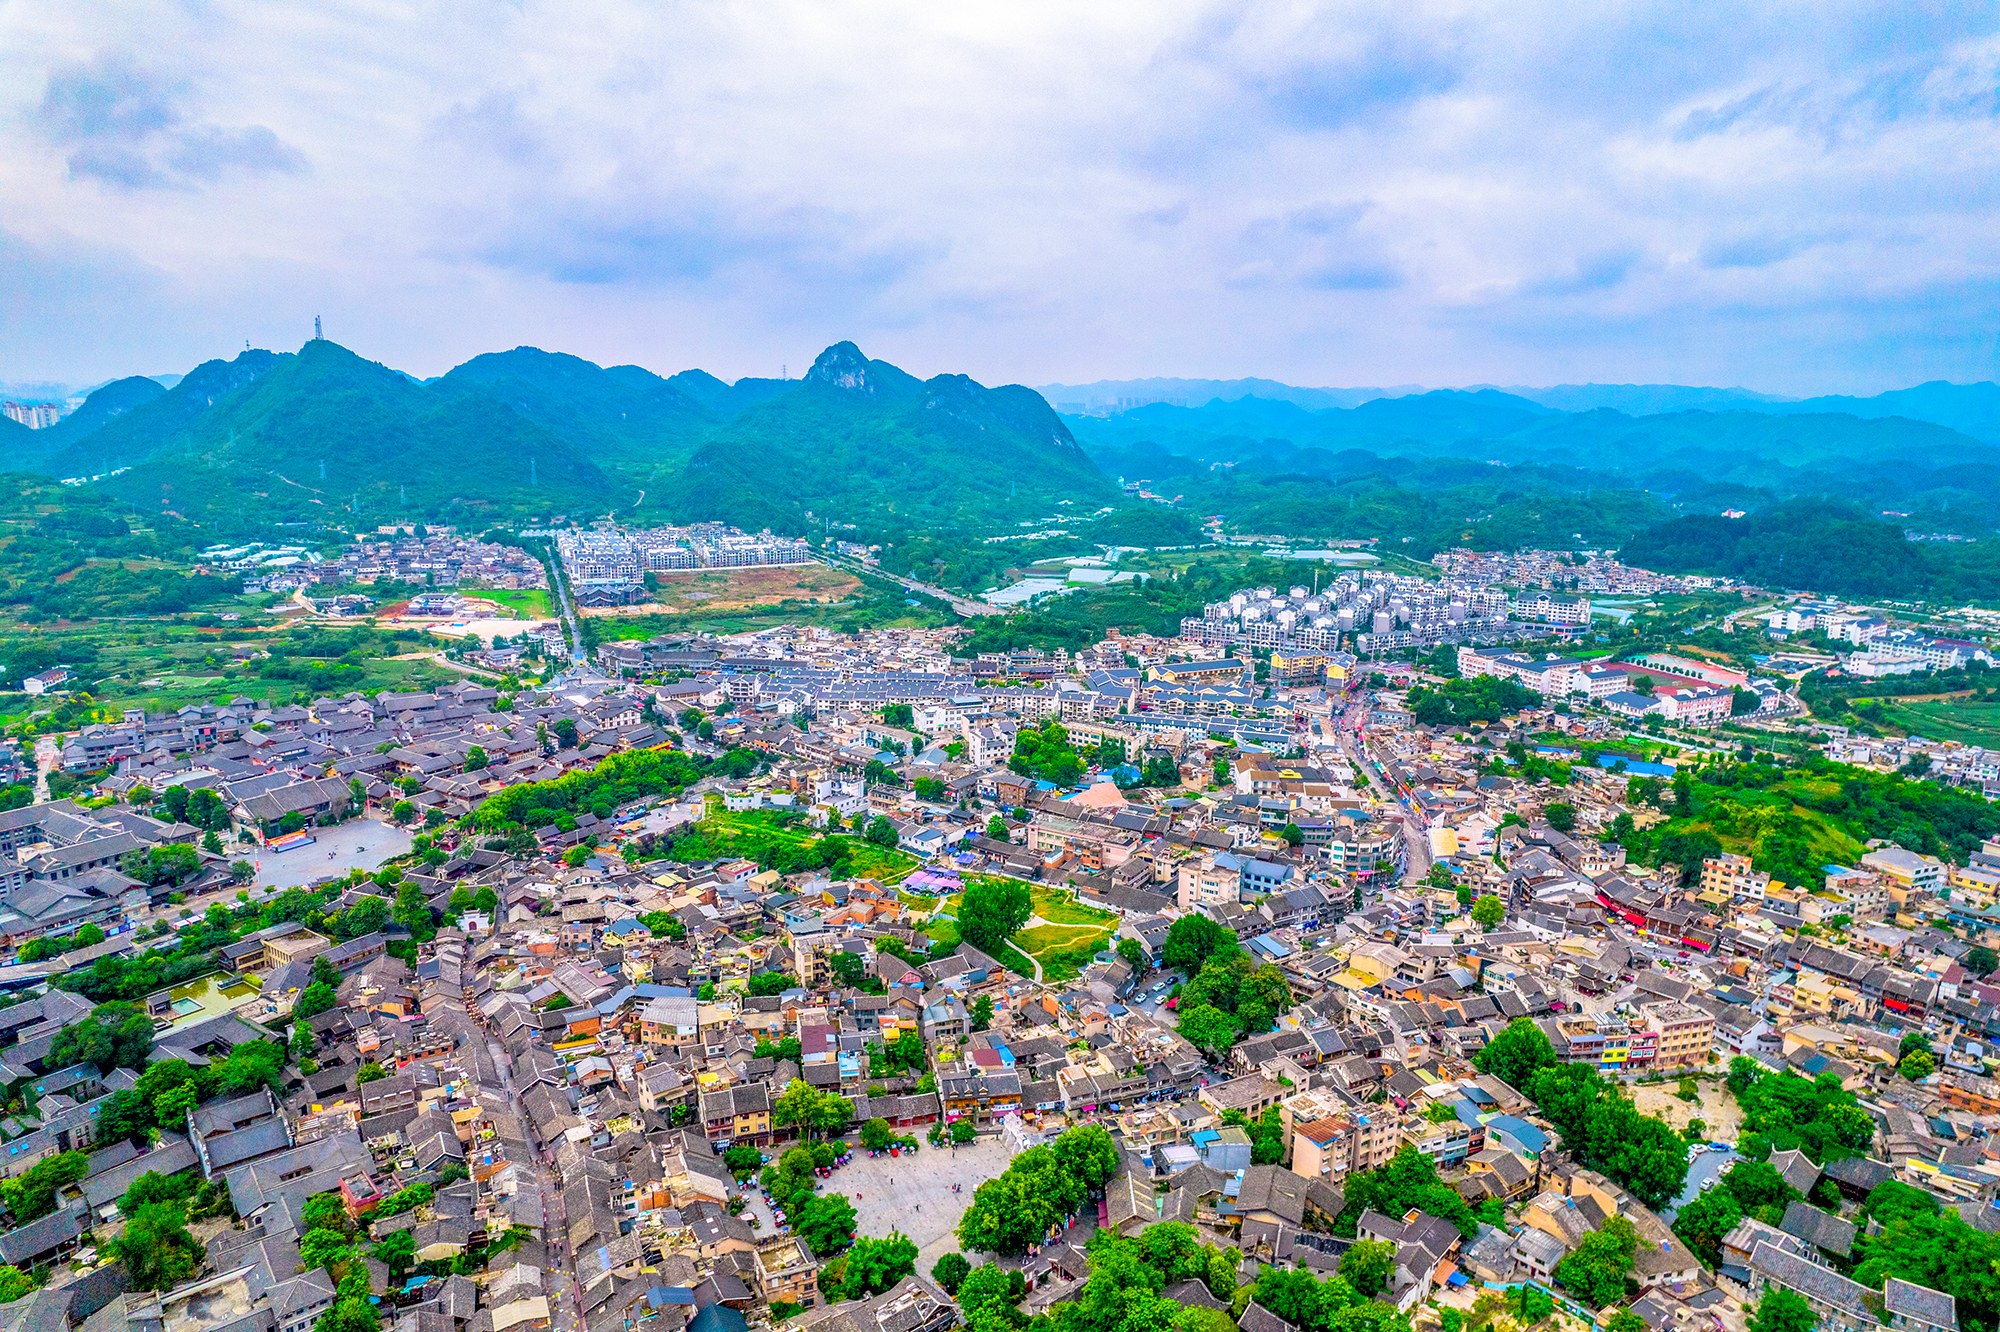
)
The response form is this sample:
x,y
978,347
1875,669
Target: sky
x,y
1797,199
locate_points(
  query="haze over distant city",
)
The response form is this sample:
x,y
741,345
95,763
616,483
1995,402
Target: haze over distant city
x,y
1795,199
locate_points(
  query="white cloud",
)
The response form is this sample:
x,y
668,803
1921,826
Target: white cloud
x,y
1315,192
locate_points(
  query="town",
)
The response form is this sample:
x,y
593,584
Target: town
x,y
1350,960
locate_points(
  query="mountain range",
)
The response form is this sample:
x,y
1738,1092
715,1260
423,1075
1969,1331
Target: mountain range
x,y
1971,408
932,467
533,434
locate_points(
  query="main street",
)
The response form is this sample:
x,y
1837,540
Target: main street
x,y
564,1295
1350,728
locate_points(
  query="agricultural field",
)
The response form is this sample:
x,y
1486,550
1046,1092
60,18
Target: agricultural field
x,y
1966,720
169,664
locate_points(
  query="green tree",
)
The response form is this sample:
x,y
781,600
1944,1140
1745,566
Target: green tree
x,y
315,999
1488,911
32,1194
172,1107
1192,940
825,1222
1519,1052
996,828
1087,1154
1980,960
874,1265
1707,1217
1134,955
156,1248
812,1112
991,910
1368,1266
14,1283
1208,1029
113,1036
1596,1269
125,1114
1782,1311
982,1012
1561,817
950,1271
398,1250
1293,835
370,1071
1407,1180
1917,1064
770,983
881,832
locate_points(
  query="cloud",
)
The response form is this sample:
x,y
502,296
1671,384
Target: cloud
x,y
1418,191
125,127
1753,251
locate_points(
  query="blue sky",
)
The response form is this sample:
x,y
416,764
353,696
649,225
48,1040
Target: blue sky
x,y
1795,199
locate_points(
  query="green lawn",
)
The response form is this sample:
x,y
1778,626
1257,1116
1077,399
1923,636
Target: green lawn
x,y
1059,906
1063,950
750,832
532,602
1960,719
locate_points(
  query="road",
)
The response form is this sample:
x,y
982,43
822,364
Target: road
x,y
963,605
565,1300
559,584
1703,1170
1350,732
48,752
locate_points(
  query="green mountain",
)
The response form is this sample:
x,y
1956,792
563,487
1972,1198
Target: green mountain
x,y
301,437
530,434
1820,546
40,447
861,441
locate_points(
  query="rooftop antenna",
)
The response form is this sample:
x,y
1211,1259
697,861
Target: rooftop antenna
x,y
784,372
316,332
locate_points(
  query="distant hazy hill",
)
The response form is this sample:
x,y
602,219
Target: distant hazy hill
x,y
1195,392
1643,399
1971,408
529,433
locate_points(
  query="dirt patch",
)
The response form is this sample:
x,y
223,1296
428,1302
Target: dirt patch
x,y
1717,1108
739,589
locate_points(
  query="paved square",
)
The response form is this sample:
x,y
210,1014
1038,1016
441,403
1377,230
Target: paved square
x,y
362,843
911,1193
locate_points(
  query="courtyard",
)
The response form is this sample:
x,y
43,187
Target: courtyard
x,y
357,844
910,1193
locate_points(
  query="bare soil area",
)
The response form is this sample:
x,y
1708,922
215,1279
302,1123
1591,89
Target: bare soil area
x,y
739,589
1717,1108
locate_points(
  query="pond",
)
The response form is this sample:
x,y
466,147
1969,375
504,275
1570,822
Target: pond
x,y
209,996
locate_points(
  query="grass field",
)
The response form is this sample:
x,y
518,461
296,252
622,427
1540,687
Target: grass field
x,y
1060,907
749,833
530,603
1957,719
1063,950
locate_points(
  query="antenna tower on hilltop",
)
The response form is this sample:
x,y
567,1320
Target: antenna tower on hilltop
x,y
316,332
